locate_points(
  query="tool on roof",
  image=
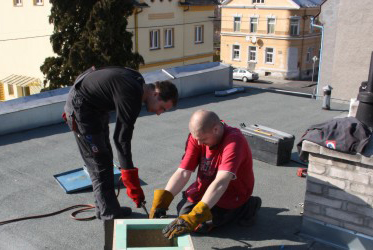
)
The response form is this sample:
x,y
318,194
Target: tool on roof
x,y
302,172
78,179
144,207
268,144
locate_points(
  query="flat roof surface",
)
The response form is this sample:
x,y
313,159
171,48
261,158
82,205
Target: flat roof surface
x,y
30,159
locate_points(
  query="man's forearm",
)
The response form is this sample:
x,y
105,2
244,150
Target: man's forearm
x,y
177,181
216,189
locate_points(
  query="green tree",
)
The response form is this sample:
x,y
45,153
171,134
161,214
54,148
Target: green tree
x,y
88,33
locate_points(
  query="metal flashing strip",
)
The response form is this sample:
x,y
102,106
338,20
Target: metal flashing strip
x,y
334,235
260,7
170,75
286,92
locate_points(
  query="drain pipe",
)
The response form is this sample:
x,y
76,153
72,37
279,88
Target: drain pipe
x,y
321,48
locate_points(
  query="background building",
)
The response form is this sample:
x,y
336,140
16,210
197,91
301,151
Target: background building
x,y
167,33
173,33
24,44
348,44
272,37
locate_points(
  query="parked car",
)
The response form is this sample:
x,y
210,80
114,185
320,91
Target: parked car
x,y
245,75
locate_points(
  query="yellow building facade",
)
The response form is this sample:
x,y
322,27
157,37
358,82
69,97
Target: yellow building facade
x,y
271,37
24,44
166,33
170,33
2,96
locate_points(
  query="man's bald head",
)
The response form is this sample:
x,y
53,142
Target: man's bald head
x,y
203,121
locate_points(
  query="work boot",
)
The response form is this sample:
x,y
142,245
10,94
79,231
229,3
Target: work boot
x,y
252,207
124,212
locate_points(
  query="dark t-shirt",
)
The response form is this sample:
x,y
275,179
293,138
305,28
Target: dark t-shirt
x,y
110,89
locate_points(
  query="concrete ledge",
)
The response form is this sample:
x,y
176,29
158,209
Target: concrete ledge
x,y
33,111
334,235
366,159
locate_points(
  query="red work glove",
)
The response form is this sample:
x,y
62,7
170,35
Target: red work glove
x,y
64,116
130,178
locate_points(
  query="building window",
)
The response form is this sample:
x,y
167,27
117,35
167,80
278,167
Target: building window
x,y
25,91
169,38
294,26
269,56
271,25
38,2
10,89
154,39
253,24
236,52
258,1
309,55
237,23
252,54
198,34
17,2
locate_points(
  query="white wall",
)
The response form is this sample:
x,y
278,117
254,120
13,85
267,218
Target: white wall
x,y
348,43
24,38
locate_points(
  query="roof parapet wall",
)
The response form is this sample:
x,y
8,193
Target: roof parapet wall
x,y
46,108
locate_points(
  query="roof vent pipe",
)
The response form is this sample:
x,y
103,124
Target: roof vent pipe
x,y
365,98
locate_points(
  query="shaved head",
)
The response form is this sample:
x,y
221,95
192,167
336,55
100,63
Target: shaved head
x,y
203,121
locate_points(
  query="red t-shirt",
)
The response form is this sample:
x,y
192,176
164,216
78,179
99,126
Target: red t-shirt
x,y
233,154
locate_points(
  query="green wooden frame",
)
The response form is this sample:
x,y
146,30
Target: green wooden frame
x,y
121,226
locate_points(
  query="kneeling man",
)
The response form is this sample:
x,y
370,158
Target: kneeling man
x,y
225,179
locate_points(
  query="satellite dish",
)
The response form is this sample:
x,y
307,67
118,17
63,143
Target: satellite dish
x,y
247,38
253,39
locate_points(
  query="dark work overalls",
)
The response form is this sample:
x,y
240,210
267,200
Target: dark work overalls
x,y
94,94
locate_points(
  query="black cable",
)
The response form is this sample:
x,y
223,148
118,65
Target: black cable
x,y
83,207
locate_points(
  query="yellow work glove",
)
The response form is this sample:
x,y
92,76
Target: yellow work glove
x,y
188,222
162,199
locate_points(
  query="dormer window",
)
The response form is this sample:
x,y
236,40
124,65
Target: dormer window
x,y
17,3
38,2
258,1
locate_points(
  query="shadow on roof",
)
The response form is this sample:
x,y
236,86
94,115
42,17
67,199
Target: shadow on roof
x,y
270,223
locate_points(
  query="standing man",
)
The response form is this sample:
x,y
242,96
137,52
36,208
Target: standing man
x,y
94,94
225,179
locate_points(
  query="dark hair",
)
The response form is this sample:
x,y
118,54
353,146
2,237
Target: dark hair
x,y
167,91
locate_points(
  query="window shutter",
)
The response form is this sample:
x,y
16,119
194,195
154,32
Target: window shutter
x,y
165,37
173,37
150,39
158,38
195,33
